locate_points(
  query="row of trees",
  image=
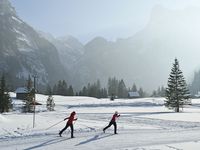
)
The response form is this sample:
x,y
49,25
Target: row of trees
x,y
160,92
118,88
114,87
177,93
94,90
61,88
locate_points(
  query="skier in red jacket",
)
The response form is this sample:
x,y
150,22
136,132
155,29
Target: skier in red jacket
x,y
113,122
69,123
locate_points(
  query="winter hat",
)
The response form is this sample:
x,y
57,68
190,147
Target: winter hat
x,y
116,112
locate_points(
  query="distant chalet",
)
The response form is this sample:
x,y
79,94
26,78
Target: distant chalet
x,y
21,93
133,95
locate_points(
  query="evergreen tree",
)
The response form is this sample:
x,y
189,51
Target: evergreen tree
x,y
30,96
94,90
64,88
160,92
29,84
84,91
70,91
195,85
50,103
177,93
5,101
113,84
98,89
103,93
134,88
60,88
154,93
141,92
122,91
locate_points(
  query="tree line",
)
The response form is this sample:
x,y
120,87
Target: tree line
x,y
114,87
177,93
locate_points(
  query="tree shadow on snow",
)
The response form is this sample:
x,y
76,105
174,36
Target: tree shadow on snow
x,y
96,137
49,142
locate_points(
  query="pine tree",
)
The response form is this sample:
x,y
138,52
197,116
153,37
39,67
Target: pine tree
x,y
29,83
113,84
134,88
122,91
64,88
195,85
50,103
5,101
141,92
70,91
98,89
30,96
84,91
60,88
160,92
177,93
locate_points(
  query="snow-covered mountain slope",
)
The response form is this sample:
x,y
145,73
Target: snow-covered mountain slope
x,y
144,124
70,50
24,52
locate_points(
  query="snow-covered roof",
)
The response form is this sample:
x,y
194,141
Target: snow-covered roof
x,y
133,94
21,90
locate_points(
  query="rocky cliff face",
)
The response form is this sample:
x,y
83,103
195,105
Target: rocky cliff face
x,y
24,52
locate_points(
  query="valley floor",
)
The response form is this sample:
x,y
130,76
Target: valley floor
x,y
144,124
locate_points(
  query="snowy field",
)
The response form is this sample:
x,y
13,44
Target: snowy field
x,y
144,124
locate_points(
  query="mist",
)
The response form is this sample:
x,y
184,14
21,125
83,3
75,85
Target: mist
x,y
139,40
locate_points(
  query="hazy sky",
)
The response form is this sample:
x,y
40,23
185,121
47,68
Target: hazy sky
x,y
86,19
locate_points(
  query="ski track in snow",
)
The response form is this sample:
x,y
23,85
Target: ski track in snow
x,y
129,138
86,136
138,127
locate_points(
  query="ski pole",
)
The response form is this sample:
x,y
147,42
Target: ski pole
x,y
54,124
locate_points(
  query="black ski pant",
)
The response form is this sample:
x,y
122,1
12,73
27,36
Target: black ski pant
x,y
72,129
112,123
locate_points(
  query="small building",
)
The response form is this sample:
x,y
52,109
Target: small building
x,y
133,95
21,93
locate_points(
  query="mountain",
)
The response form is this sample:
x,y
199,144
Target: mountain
x,y
70,50
146,57
24,52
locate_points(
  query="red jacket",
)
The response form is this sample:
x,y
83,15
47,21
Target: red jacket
x,y
71,118
114,117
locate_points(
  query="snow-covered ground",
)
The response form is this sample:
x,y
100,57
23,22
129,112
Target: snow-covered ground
x,y
144,124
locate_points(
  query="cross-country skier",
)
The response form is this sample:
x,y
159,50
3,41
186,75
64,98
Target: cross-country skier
x,y
113,122
69,123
